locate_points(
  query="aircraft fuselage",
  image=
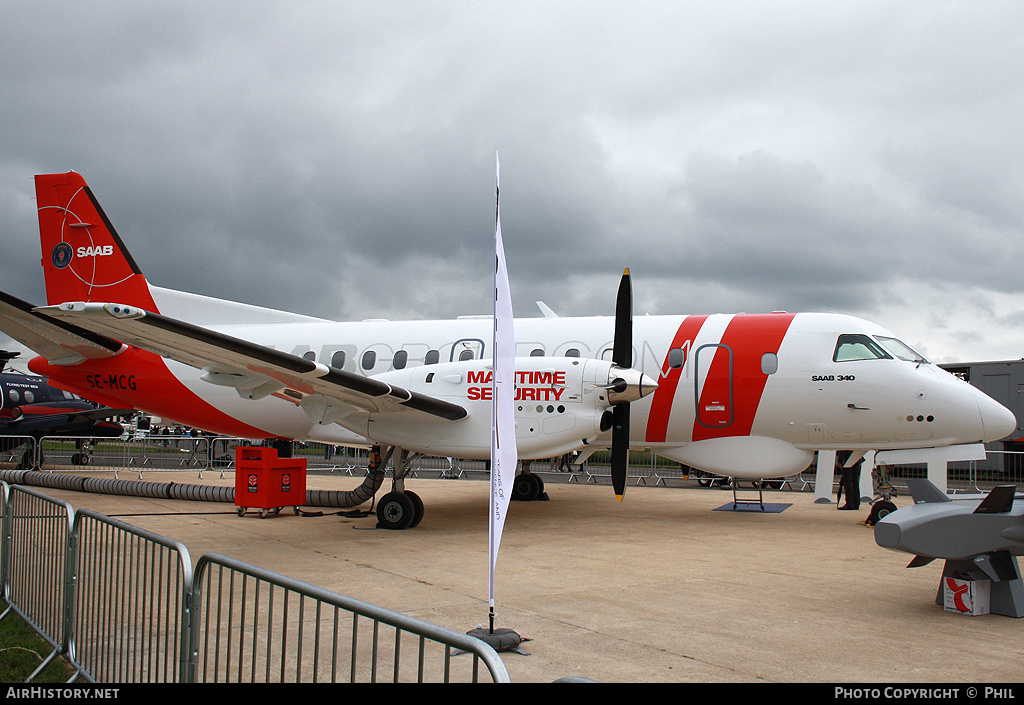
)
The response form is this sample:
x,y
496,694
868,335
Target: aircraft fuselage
x,y
744,395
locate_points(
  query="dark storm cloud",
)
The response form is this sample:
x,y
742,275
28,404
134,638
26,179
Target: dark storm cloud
x,y
337,159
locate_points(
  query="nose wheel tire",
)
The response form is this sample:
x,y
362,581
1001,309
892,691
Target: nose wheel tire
x,y
880,510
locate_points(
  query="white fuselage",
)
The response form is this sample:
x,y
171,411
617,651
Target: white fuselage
x,y
748,396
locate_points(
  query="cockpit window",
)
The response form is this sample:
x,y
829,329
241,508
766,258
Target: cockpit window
x,y
858,347
900,349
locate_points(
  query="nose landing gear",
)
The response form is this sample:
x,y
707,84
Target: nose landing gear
x,y
882,504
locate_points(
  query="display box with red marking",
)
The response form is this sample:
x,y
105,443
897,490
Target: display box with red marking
x,y
966,596
266,482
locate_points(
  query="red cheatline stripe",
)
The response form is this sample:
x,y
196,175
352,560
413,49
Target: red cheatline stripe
x,y
661,403
749,337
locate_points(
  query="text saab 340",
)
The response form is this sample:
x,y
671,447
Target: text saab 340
x,y
746,396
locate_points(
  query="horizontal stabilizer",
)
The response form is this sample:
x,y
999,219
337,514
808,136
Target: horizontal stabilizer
x,y
60,342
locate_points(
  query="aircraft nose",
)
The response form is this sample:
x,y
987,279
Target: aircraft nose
x,y
997,421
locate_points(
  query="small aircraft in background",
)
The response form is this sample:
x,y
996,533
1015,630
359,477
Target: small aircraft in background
x,y
747,396
31,408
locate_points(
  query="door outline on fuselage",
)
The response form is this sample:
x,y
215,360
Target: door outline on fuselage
x,y
713,413
473,346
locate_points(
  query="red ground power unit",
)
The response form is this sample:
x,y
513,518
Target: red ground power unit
x,y
266,482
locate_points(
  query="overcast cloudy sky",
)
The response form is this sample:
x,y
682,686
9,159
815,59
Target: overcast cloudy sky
x,y
337,158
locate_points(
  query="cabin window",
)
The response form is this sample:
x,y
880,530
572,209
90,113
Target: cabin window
x,y
338,359
13,394
852,347
769,363
572,352
432,357
369,359
401,359
676,358
537,352
466,355
309,355
29,397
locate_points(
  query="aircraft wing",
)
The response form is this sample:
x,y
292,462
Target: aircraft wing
x,y
59,342
100,414
59,421
254,370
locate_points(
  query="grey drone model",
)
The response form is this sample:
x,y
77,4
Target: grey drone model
x,y
979,536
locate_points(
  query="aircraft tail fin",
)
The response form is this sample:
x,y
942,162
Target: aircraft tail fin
x,y
998,501
83,257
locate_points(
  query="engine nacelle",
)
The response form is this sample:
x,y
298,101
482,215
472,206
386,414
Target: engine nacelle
x,y
561,404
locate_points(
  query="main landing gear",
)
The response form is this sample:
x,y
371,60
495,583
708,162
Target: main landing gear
x,y
403,509
399,508
527,487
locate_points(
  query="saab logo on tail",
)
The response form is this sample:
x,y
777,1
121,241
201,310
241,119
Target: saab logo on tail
x,y
63,253
95,251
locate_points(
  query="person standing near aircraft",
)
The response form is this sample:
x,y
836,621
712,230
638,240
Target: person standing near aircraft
x,y
849,481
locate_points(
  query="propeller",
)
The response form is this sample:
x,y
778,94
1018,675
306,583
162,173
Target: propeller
x,y
622,356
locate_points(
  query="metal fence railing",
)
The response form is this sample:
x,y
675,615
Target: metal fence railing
x,y
252,625
123,605
200,453
81,453
132,589
19,451
998,467
36,573
157,453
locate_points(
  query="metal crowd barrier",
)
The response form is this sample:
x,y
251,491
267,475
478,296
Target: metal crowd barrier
x,y
152,453
20,450
132,589
252,625
159,453
121,604
973,476
36,576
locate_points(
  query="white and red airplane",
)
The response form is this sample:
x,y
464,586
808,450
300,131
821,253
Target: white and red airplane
x,y
744,396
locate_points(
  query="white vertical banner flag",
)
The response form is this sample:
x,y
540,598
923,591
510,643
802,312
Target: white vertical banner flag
x,y
504,455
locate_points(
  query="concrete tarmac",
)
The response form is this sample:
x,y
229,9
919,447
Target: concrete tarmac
x,y
658,588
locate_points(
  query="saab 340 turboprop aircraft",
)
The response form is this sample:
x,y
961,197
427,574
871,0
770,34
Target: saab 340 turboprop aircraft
x,y
746,396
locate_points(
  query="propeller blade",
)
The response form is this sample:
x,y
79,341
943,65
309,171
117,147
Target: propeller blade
x,y
622,345
620,448
622,355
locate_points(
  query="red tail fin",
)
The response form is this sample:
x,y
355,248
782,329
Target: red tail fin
x,y
83,256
